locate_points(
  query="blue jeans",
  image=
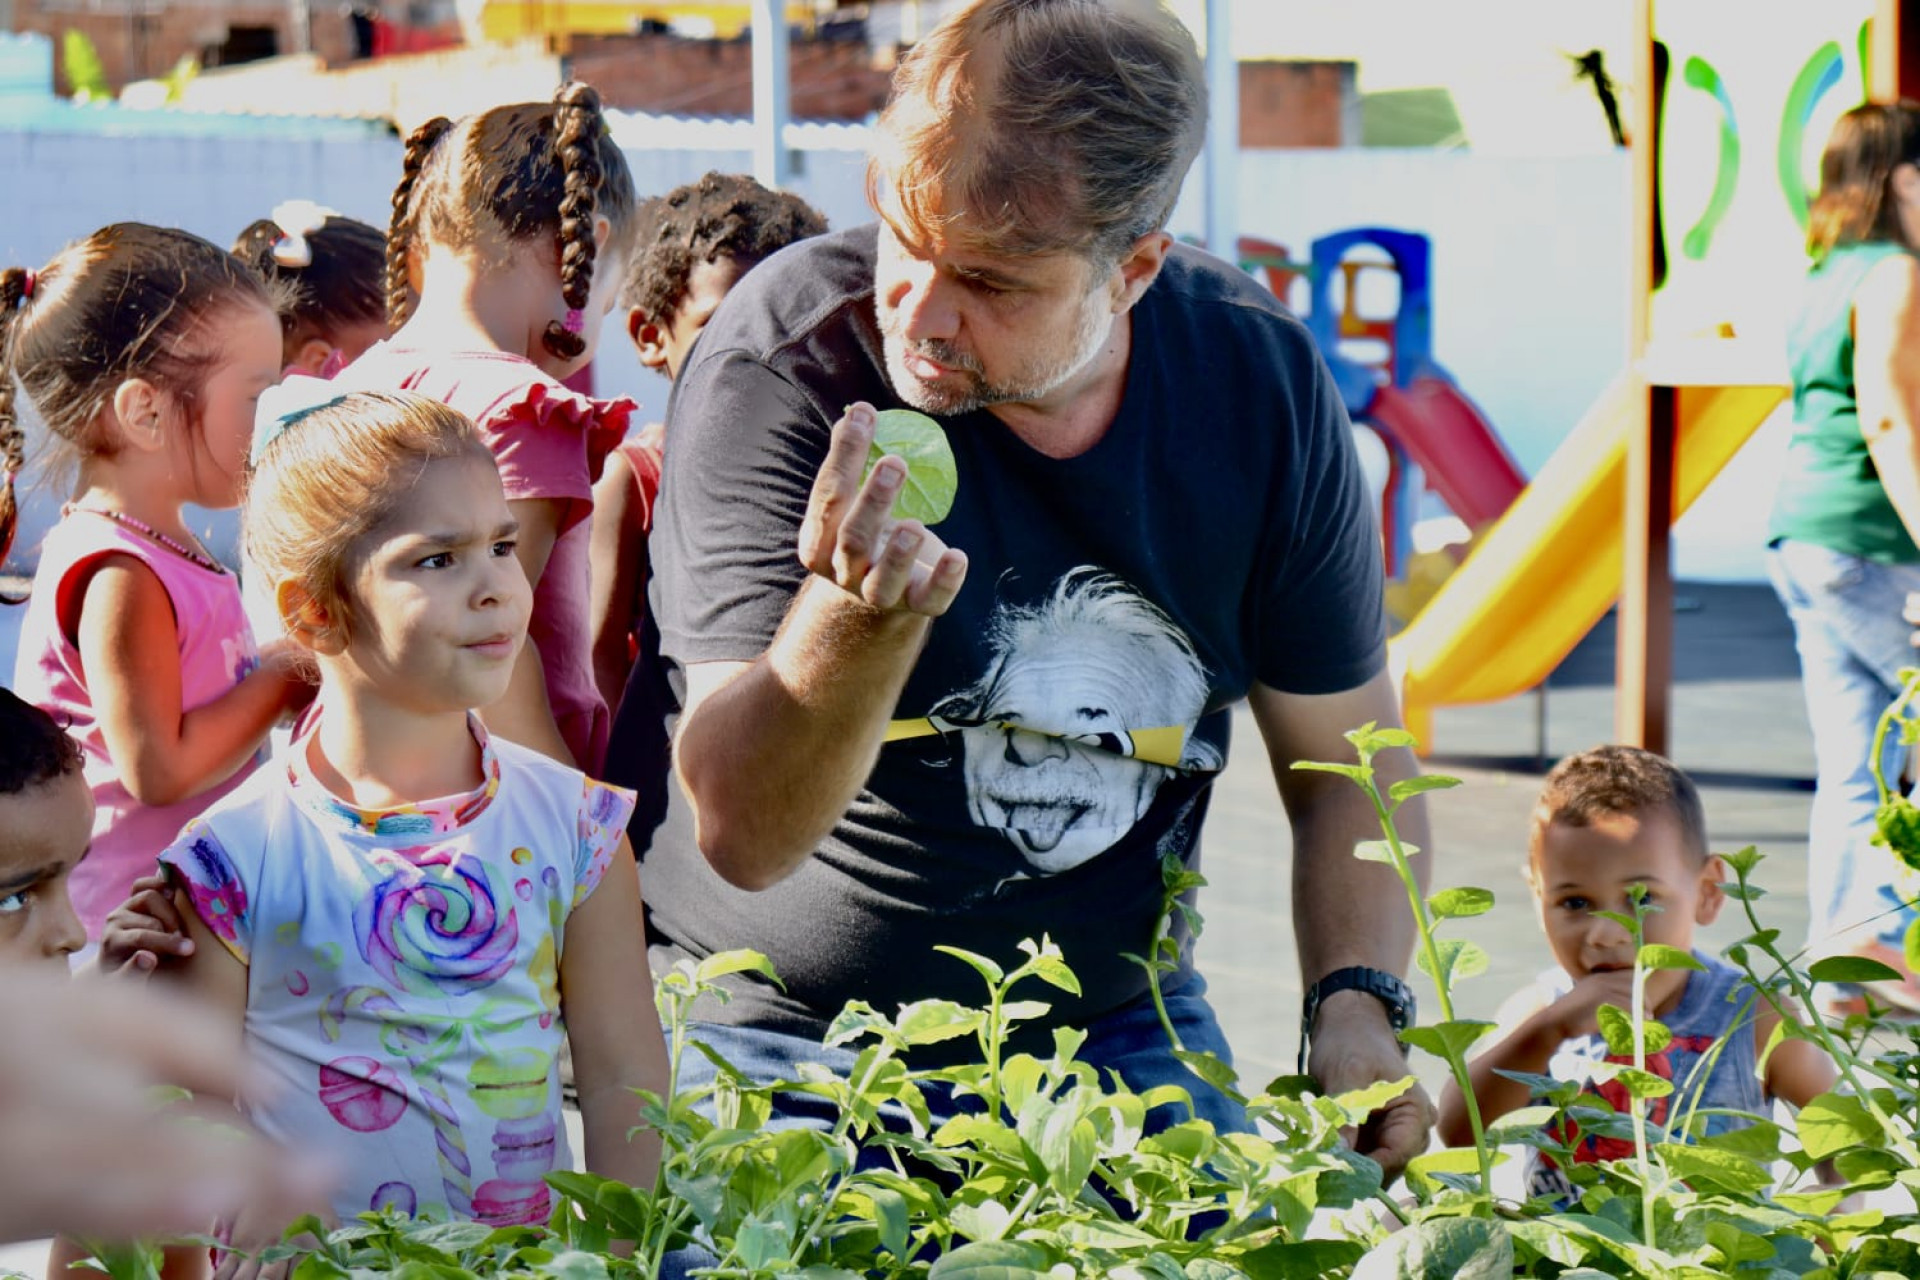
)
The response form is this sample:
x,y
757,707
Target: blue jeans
x,y
1852,641
1129,1040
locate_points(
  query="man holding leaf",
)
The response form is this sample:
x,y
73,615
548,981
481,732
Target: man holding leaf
x,y
1007,727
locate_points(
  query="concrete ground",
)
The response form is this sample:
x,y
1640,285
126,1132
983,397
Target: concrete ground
x,y
1739,727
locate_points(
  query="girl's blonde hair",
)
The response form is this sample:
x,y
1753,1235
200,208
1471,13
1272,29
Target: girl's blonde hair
x,y
332,478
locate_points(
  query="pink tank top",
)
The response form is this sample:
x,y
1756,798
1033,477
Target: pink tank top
x,y
216,652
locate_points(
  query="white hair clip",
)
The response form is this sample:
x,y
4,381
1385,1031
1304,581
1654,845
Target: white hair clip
x,y
298,219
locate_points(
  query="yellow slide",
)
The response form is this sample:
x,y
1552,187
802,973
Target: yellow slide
x,y
1538,580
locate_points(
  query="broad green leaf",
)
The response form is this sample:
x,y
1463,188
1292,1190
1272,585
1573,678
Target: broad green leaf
x,y
576,1265
1851,969
1712,1167
1743,862
1616,1027
1426,782
452,1237
800,1156
932,1021
1912,946
1655,955
1833,1122
1204,1268
1522,1120
890,1216
1358,1104
1623,919
991,1260
1443,1249
722,963
1460,903
986,968
1053,970
1024,1010
1212,1069
1550,1243
1356,772
1191,1142
1638,1084
856,1019
1759,1141
1379,851
933,478
1422,1169
761,1243
1287,1260
1558,1092
1447,1039
1459,959
1369,738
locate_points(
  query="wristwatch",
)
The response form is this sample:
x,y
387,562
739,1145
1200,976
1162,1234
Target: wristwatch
x,y
1389,990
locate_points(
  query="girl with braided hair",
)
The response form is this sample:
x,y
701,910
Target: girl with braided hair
x,y
512,229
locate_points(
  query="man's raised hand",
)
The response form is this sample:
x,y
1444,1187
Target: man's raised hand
x,y
850,538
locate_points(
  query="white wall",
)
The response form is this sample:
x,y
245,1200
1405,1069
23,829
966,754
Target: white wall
x,y
1529,254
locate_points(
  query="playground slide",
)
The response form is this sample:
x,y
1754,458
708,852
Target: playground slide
x,y
1538,580
1448,439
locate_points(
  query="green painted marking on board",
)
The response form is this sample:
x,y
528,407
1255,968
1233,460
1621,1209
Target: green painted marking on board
x,y
1701,75
1821,73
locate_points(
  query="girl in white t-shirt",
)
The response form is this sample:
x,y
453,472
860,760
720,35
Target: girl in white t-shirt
x,y
411,916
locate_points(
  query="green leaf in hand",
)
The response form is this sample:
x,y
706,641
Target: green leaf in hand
x,y
932,476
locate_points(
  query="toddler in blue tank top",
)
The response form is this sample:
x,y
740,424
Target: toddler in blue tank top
x,y
1609,819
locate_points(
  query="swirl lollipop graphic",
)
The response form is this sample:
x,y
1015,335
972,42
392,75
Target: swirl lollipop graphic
x,y
442,924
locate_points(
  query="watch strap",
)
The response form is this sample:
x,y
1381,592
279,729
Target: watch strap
x,y
1389,989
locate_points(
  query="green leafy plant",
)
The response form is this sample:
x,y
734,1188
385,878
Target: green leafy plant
x,y
1024,1162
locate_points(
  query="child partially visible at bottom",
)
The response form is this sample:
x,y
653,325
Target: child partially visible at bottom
x,y
691,247
46,820
408,915
1606,820
143,350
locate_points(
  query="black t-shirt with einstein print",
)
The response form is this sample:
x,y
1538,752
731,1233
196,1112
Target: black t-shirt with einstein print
x,y
1060,732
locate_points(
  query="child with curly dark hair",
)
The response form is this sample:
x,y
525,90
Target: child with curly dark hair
x,y
692,245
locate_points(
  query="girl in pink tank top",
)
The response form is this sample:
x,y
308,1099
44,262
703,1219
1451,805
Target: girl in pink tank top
x,y
144,350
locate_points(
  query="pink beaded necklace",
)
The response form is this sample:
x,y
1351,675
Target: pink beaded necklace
x,y
140,526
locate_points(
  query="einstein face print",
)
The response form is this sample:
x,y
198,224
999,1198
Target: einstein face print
x,y
1087,705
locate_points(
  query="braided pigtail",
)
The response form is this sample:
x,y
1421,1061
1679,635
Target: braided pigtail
x,y
16,289
577,125
420,145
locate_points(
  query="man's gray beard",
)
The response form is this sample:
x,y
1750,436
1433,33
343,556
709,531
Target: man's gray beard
x,y
1095,323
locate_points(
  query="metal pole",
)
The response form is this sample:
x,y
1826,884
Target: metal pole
x,y
772,99
1221,159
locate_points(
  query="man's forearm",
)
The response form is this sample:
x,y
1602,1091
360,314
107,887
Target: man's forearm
x,y
1346,911
772,759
